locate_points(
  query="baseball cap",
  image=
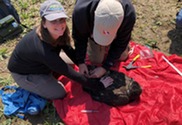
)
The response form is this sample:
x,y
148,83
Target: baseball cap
x,y
109,15
52,10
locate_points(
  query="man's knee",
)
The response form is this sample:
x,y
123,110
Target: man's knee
x,y
125,54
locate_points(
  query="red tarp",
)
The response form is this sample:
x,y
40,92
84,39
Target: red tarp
x,y
160,102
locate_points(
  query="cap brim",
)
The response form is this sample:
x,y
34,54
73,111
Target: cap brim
x,y
103,40
55,16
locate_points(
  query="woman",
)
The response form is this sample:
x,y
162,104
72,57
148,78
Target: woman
x,y
37,54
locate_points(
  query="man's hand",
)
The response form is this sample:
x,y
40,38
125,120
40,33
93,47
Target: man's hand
x,y
83,69
97,72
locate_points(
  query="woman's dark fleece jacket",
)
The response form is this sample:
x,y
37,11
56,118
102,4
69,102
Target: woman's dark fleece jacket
x,y
33,56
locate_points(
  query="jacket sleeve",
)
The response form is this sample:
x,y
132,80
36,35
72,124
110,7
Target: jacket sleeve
x,y
80,42
80,33
70,52
52,60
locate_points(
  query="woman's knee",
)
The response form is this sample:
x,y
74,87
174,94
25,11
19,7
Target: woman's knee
x,y
56,91
56,95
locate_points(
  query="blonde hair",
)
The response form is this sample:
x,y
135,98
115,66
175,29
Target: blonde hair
x,y
45,36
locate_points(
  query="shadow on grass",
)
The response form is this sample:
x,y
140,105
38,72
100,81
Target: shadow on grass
x,y
176,41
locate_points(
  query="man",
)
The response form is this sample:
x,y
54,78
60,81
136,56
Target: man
x,y
102,25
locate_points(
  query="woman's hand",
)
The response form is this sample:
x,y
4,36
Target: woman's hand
x,y
83,69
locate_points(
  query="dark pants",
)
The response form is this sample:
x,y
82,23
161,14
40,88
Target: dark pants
x,y
43,85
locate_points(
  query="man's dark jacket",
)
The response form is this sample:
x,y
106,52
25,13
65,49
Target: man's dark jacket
x,y
83,19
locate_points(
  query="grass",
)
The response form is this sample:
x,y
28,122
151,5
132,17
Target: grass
x,y
154,25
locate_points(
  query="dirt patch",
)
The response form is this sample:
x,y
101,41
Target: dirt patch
x,y
156,23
